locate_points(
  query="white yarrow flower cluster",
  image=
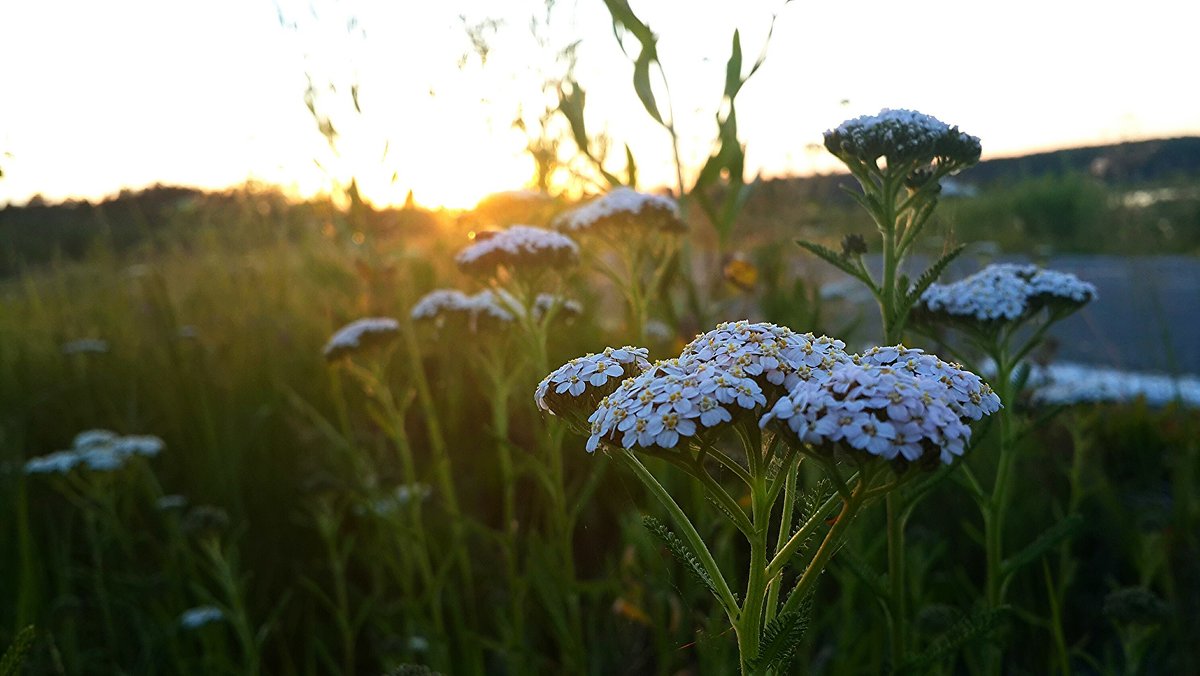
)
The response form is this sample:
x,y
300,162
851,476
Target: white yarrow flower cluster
x,y
965,392
488,307
904,137
197,617
770,353
1005,292
623,207
1069,383
879,410
96,450
360,334
673,400
519,246
582,382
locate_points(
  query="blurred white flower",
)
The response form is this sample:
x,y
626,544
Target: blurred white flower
x,y
97,450
1005,292
624,207
519,246
1069,383
197,617
85,346
169,503
359,335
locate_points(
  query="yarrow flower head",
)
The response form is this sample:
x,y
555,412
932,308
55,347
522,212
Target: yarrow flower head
x,y
771,354
359,335
574,389
487,309
905,138
874,410
671,402
1005,292
96,450
520,247
623,208
965,393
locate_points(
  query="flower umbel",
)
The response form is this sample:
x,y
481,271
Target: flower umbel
x,y
520,246
905,138
623,208
1006,292
575,389
359,335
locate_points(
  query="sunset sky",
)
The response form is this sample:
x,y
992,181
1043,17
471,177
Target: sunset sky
x,y
97,96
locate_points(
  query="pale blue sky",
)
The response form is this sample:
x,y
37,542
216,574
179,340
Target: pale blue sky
x,y
96,96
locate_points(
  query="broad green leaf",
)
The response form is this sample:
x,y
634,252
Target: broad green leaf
x,y
781,637
733,68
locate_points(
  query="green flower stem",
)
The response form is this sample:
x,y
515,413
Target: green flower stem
x,y
750,622
993,522
898,601
703,554
814,523
785,529
829,545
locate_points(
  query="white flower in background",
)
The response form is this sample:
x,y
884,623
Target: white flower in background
x,y
672,401
399,497
441,304
488,308
657,329
359,335
574,389
60,462
519,246
878,410
197,617
85,346
965,392
1067,383
903,137
96,450
623,207
168,503
769,353
1005,292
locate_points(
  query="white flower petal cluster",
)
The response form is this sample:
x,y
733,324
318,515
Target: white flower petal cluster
x,y
1068,383
398,498
623,207
583,381
85,346
767,352
904,137
96,450
487,308
519,246
1005,292
879,410
360,334
197,617
965,392
673,400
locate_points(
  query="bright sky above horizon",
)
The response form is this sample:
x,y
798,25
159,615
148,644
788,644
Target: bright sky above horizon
x,y
128,93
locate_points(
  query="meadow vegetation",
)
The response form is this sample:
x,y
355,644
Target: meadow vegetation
x,y
392,496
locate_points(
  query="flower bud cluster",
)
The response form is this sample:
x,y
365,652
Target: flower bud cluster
x,y
520,246
623,208
1005,292
359,335
904,138
96,450
878,410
